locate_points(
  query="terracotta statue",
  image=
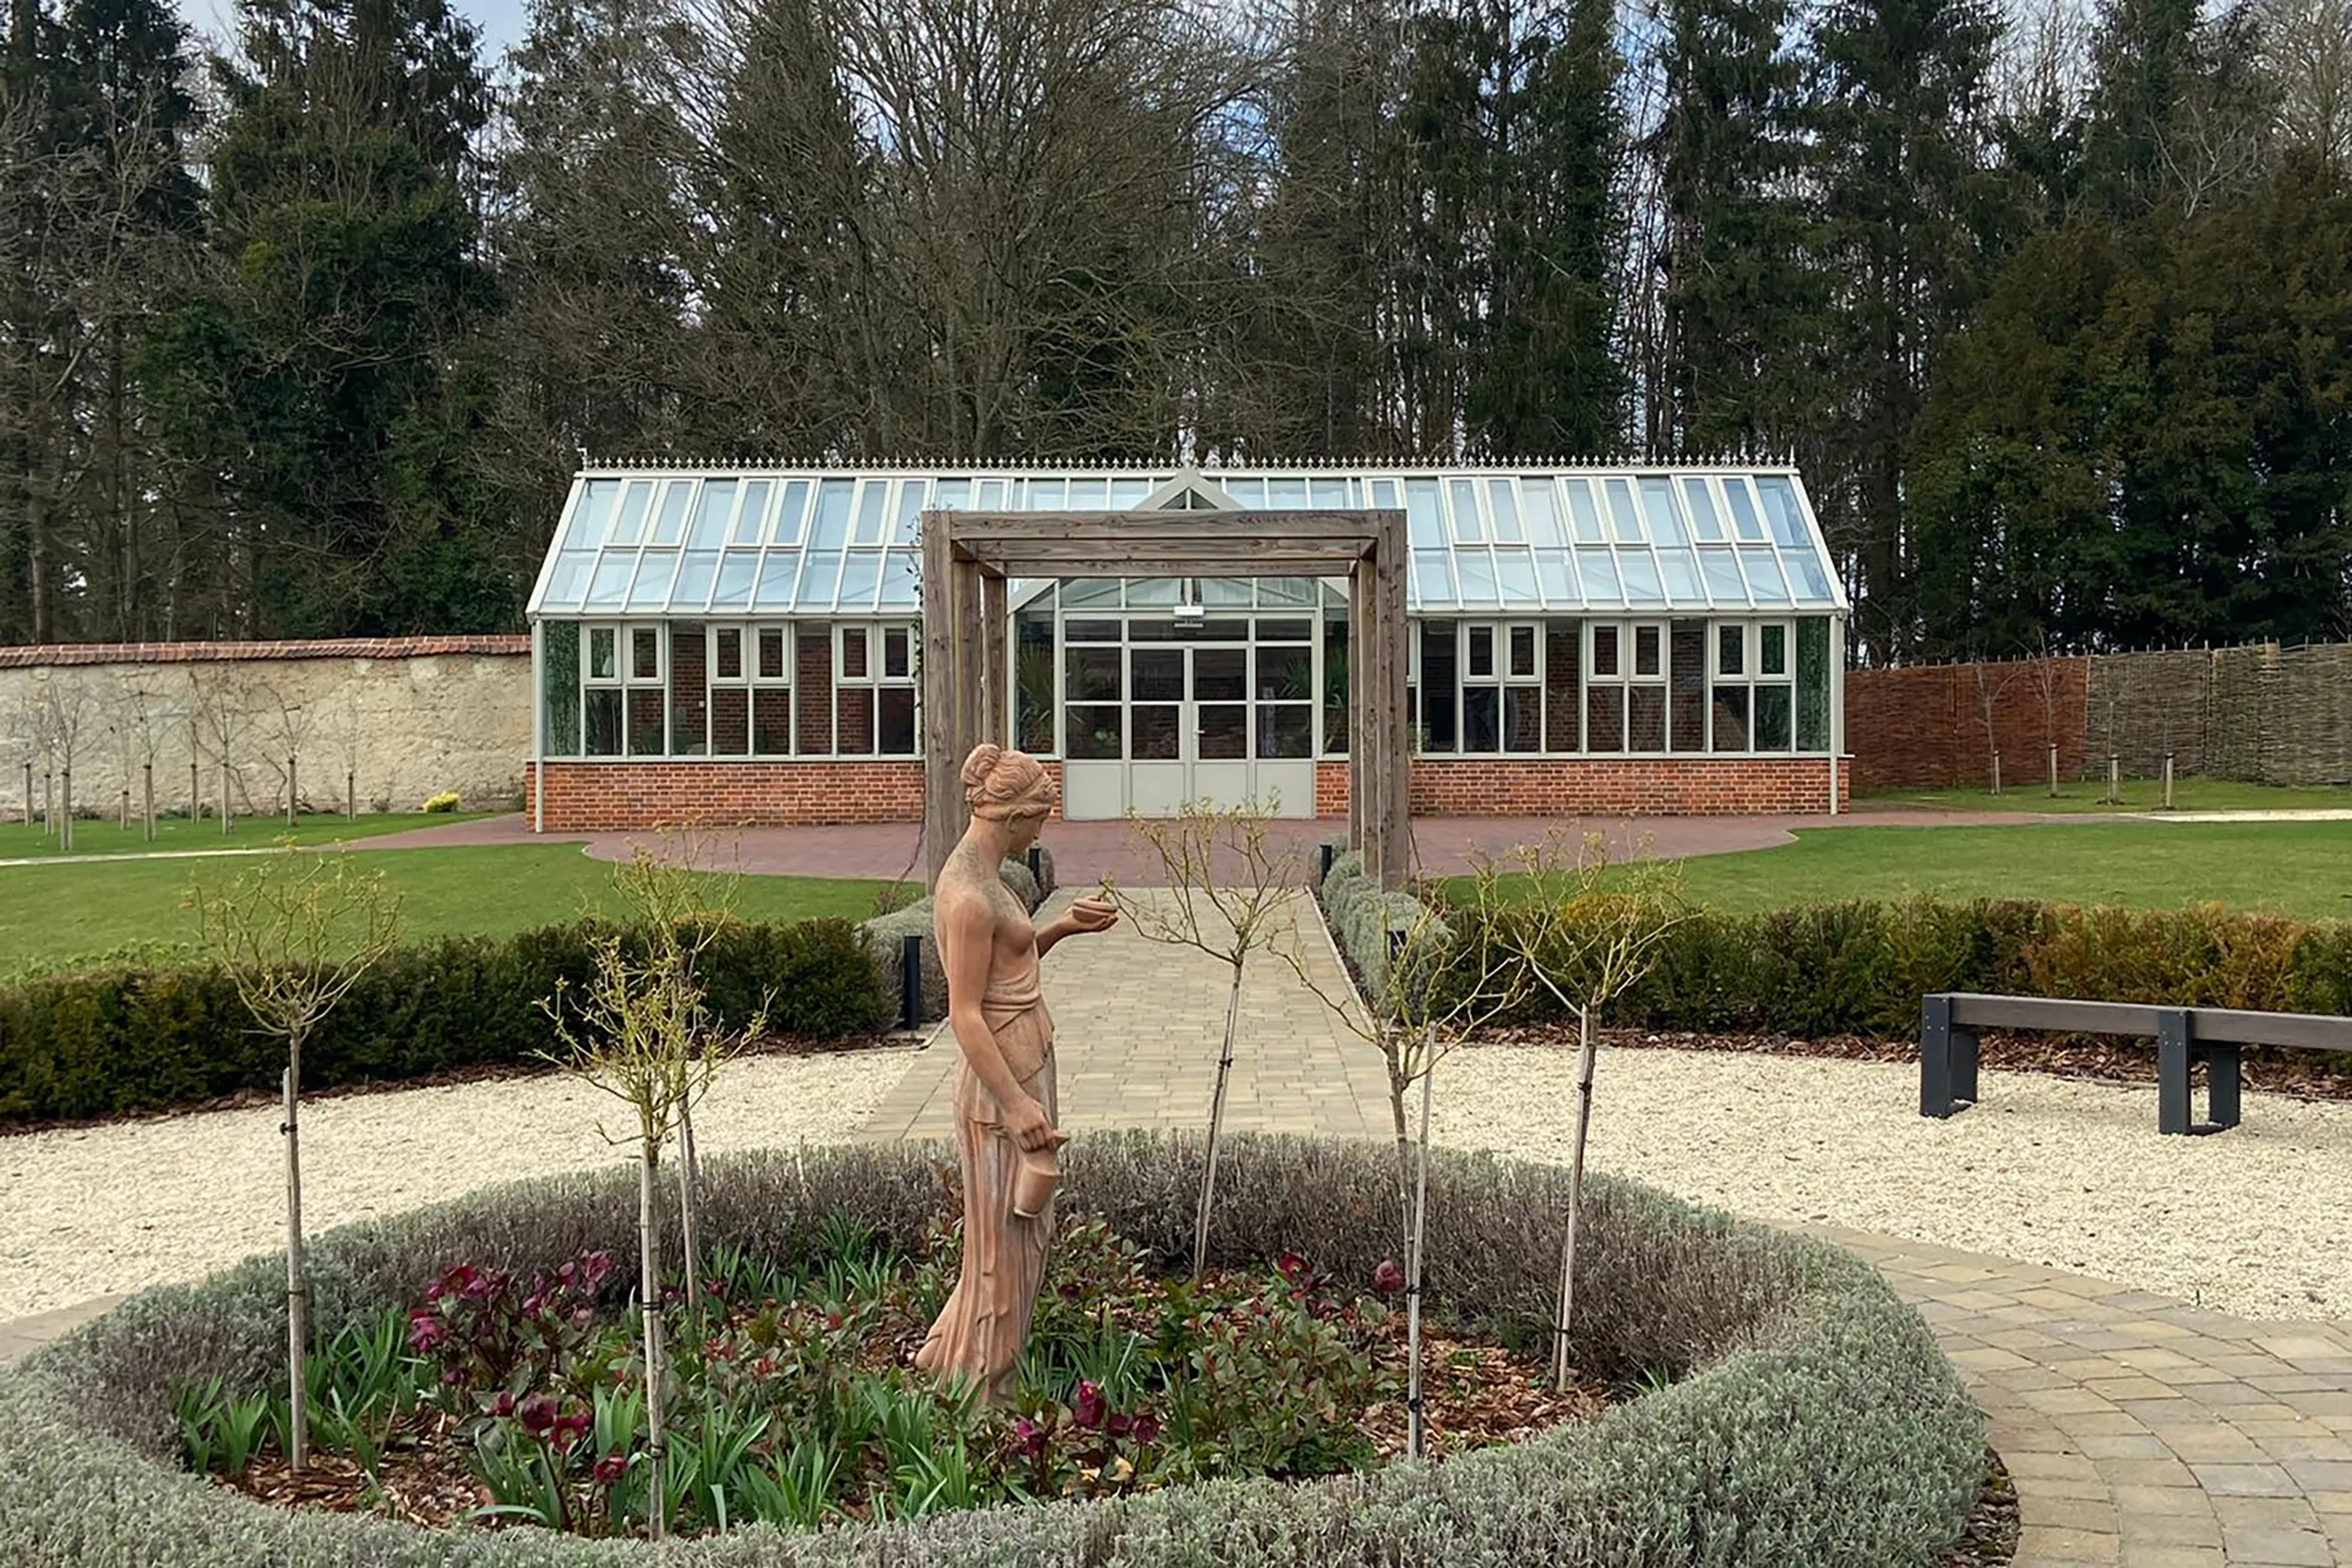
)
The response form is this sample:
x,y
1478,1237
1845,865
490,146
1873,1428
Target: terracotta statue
x,y
1005,1135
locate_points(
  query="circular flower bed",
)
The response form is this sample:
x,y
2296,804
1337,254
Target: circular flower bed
x,y
1800,1413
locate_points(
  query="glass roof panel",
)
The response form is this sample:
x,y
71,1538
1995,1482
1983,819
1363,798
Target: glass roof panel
x,y
1220,593
1468,528
1283,592
1425,514
1721,572
750,518
1743,511
1250,493
1666,518
1515,574
1044,495
1502,500
1078,593
1764,579
1125,496
694,574
901,579
1552,570
1431,579
628,523
1583,513
913,496
610,586
1476,569
1324,492
778,574
1284,495
819,575
987,495
1151,592
834,498
1384,494
1680,570
1540,503
670,523
1704,519
564,583
1810,582
1780,499
861,571
1639,570
1621,509
954,495
873,502
711,516
590,518
1597,567
1085,495
792,516
736,570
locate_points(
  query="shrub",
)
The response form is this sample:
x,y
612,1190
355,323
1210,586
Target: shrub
x,y
445,801
1813,1420
1363,918
131,1038
1861,967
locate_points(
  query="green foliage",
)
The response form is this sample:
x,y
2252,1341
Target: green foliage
x,y
1810,1419
1861,967
105,1042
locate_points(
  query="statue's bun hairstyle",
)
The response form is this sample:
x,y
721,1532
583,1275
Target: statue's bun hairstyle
x,y
1000,784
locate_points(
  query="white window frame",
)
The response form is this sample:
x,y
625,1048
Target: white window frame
x,y
749,681
1751,675
875,632
1629,632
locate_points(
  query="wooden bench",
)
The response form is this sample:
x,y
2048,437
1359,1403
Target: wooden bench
x,y
2184,1036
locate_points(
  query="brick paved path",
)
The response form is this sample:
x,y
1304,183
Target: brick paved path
x,y
2141,1432
1137,1029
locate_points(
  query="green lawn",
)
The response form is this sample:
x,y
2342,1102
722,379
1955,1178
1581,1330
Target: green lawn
x,y
53,913
178,835
2295,868
2139,794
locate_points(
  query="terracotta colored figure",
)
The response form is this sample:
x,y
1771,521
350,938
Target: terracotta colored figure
x,y
1005,1135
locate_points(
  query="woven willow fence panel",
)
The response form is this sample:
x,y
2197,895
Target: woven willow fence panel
x,y
2263,713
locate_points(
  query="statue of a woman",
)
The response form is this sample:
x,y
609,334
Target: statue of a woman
x,y
1005,1135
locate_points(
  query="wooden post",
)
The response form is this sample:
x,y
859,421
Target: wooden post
x,y
2114,779
1395,757
970,664
2168,781
1997,773
995,672
2053,772
1364,727
942,821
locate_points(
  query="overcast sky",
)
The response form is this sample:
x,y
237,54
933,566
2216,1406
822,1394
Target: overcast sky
x,y
501,21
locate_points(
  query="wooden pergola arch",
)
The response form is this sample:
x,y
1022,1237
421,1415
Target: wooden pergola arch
x,y
969,556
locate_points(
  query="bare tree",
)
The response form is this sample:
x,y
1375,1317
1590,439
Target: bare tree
x,y
66,715
1583,936
348,730
1990,689
1429,988
216,717
295,933
640,1030
1225,886
289,729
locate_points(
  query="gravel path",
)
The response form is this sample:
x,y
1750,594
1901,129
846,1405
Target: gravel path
x,y
108,1210
2063,1173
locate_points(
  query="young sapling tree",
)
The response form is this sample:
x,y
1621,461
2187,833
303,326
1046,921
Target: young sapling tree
x,y
1584,937
1226,885
640,1030
295,932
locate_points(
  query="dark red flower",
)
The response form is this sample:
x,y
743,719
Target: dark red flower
x,y
1119,1426
1292,1267
456,1281
1145,1428
426,1332
569,1429
1390,1277
567,1274
538,1414
595,1268
483,1284
611,1468
504,1404
1028,1438
1088,1409
832,1322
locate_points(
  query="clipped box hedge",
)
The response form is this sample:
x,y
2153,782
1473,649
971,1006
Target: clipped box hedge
x,y
1813,1420
127,1038
1861,967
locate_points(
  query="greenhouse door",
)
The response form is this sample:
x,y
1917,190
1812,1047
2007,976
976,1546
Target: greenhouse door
x,y
1193,732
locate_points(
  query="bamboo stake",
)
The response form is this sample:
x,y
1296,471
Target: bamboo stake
x,y
1217,1125
1584,1052
1997,773
126,806
649,1286
298,1314
29,793
65,818
1414,1425
147,791
351,795
228,814
2054,772
290,791
686,1180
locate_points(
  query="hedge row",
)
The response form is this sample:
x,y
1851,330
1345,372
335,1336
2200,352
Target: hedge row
x,y
1861,967
1812,1419
130,1038
886,936
1363,916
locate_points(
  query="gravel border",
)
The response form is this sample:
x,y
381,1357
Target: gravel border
x,y
2060,1172
108,1210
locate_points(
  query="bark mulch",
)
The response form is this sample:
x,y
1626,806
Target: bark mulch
x,y
1990,1537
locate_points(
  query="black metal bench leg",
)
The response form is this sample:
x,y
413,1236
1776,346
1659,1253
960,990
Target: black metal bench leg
x,y
2172,1071
1947,1060
2221,1084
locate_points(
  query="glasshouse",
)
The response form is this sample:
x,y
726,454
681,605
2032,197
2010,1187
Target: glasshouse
x,y
742,644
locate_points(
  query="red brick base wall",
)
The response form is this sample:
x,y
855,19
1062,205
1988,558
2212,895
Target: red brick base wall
x,y
646,795
1592,786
